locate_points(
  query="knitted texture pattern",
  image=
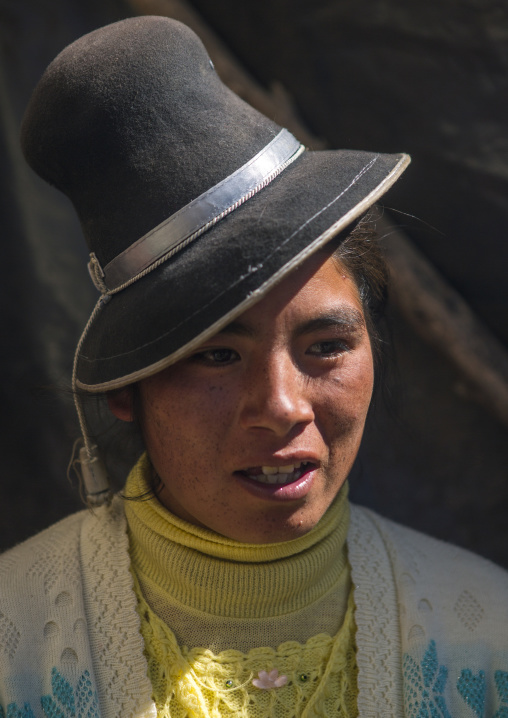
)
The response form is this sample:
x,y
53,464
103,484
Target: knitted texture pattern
x,y
69,631
317,678
448,617
219,593
432,626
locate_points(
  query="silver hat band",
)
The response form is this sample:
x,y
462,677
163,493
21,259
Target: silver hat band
x,y
191,221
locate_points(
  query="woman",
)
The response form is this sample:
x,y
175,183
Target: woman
x,y
236,326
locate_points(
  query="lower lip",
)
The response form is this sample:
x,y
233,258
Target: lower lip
x,y
279,492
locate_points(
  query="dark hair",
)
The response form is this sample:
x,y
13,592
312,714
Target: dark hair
x,y
360,254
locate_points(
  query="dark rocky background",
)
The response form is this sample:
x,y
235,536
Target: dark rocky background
x,y
429,78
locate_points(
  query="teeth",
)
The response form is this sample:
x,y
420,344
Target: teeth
x,y
279,474
287,469
269,470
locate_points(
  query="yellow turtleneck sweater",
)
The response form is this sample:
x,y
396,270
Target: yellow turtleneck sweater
x,y
236,610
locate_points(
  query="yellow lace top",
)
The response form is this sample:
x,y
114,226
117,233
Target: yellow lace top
x,y
256,631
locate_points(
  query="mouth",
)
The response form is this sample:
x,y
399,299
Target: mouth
x,y
278,475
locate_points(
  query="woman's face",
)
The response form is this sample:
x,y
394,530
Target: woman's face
x,y
254,434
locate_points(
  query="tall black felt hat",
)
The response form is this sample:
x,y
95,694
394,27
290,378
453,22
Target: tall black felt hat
x,y
192,203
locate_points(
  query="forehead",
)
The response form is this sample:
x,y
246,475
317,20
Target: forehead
x,y
320,285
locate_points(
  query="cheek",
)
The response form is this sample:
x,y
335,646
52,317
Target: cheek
x,y
186,425
159,416
347,397
158,426
363,385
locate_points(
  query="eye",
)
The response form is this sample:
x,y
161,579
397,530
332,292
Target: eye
x,y
330,348
217,357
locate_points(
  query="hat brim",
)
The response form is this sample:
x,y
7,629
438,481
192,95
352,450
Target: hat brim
x,y
169,312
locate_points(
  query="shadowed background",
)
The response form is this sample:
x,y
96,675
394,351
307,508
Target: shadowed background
x,y
426,78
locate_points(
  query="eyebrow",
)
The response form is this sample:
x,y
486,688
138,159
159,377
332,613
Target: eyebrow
x,y
348,318
238,329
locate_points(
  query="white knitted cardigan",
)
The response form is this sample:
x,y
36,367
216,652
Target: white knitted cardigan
x,y
432,624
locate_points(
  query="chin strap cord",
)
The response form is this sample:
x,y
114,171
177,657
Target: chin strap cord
x,y
93,473
95,477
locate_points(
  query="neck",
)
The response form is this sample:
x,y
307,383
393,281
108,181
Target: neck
x,y
189,563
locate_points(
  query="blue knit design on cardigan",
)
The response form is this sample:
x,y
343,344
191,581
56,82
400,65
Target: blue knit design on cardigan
x,y
66,701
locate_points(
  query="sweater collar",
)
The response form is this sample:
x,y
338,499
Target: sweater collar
x,y
208,572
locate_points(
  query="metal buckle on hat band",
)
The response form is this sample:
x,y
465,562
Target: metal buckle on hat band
x,y
196,217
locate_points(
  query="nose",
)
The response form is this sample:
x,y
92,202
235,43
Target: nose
x,y
276,396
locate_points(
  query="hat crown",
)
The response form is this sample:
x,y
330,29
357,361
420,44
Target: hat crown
x,y
132,123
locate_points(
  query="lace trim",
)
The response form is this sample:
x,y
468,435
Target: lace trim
x,y
321,675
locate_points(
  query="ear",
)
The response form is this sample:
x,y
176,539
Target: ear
x,y
120,403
